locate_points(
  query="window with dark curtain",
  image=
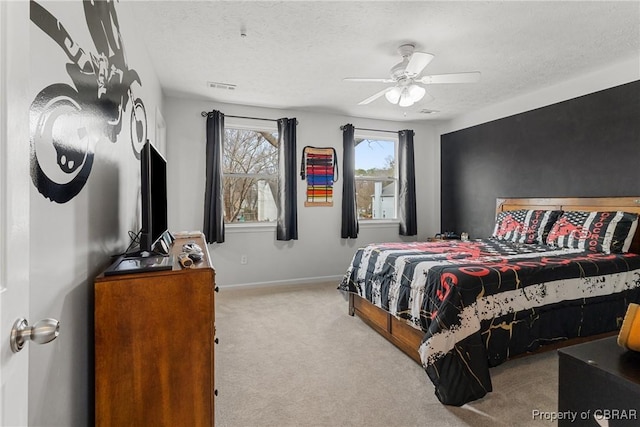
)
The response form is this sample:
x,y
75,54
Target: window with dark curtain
x,y
287,213
350,225
213,196
406,184
287,222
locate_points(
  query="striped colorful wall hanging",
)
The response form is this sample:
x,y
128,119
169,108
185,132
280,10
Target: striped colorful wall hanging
x,y
321,171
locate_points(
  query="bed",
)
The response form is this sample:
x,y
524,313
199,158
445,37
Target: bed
x,y
555,270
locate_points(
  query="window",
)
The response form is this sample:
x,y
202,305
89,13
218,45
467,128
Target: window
x,y
250,175
376,177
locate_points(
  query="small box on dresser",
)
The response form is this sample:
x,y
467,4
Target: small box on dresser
x,y
154,345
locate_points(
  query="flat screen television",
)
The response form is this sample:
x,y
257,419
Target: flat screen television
x,y
154,199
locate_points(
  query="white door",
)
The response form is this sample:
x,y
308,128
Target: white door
x,y
14,206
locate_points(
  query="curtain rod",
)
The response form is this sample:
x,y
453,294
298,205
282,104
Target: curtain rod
x,y
374,130
205,113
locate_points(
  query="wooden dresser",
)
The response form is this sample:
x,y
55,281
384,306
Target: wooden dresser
x,y
154,345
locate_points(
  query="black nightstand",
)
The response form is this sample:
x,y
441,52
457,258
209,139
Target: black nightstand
x,y
598,381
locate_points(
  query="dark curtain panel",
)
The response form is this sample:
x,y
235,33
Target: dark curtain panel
x,y
350,226
213,194
406,184
287,223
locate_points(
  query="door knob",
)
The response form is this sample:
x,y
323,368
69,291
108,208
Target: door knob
x,y
42,332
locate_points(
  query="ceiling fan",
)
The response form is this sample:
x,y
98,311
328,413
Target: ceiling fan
x,y
407,89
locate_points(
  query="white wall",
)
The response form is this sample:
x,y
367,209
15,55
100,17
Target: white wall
x,y
72,242
319,253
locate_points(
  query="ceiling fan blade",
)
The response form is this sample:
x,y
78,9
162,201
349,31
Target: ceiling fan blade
x,y
358,79
374,97
470,77
418,61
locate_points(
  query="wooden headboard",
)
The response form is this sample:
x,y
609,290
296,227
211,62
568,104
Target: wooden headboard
x,y
626,204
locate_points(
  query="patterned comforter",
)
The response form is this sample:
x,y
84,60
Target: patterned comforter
x,y
480,302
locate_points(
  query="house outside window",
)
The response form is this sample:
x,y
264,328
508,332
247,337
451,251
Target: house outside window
x,y
376,176
250,175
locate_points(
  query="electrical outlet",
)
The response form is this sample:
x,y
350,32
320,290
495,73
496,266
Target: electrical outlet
x,y
243,259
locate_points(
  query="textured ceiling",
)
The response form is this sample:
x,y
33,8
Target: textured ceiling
x,y
296,53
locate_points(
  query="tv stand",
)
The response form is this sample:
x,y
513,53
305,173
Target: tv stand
x,y
150,368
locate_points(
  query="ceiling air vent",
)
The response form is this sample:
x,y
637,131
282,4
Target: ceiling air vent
x,y
425,111
217,85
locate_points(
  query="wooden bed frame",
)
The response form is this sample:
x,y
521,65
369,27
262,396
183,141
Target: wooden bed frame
x,y
408,338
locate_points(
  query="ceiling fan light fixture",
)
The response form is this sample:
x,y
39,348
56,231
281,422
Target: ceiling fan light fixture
x,y
406,74
416,92
405,98
393,95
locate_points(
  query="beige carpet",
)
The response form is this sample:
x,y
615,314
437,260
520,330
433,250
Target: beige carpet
x,y
292,356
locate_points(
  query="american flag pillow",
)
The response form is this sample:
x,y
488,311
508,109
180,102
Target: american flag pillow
x,y
607,232
525,225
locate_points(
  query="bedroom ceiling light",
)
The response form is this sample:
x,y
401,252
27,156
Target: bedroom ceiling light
x,y
405,76
405,96
417,92
393,95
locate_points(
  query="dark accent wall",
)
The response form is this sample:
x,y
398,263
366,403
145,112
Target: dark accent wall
x,y
584,147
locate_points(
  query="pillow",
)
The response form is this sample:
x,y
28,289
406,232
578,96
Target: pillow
x,y
507,222
525,225
607,232
536,226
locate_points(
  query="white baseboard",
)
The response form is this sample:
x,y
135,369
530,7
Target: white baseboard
x,y
289,282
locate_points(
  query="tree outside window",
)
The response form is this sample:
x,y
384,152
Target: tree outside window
x,y
250,175
376,178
